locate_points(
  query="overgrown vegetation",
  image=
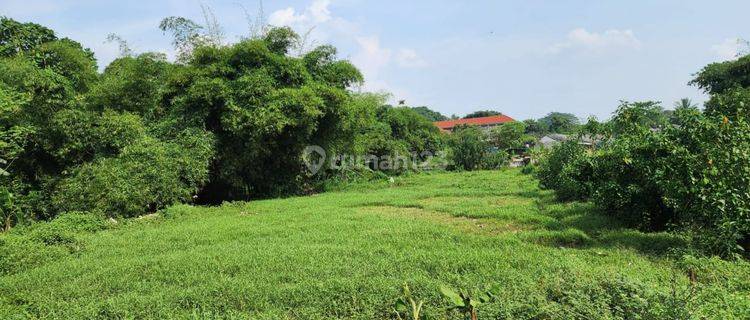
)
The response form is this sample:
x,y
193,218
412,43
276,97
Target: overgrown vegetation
x,y
492,236
687,172
224,122
80,149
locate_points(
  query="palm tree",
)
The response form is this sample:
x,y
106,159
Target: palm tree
x,y
684,103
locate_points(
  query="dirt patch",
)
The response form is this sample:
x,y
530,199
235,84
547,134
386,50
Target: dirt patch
x,y
481,226
494,201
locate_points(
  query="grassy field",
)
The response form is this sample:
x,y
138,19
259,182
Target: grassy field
x,y
346,254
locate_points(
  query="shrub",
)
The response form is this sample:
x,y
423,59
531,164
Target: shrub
x,y
692,176
706,176
468,148
495,160
625,181
567,170
29,246
145,177
508,135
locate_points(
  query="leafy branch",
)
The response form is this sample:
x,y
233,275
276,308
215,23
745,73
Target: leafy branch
x,y
466,303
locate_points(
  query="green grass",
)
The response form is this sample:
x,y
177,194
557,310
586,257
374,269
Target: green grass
x,y
346,254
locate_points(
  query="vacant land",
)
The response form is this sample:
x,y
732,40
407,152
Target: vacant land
x,y
346,254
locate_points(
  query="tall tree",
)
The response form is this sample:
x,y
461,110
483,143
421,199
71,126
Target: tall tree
x,y
534,127
559,122
482,113
508,135
429,114
684,103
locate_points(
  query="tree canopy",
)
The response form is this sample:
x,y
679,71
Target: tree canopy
x,y
559,122
223,122
482,113
429,114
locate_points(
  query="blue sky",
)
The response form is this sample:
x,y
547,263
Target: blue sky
x,y
523,58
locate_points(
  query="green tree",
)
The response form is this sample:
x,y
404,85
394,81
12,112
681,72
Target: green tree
x,y
558,122
535,128
148,175
482,113
264,108
17,38
638,116
468,147
429,114
131,84
720,77
508,135
684,103
323,65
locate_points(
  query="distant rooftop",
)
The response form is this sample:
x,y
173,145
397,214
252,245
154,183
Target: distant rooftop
x,y
448,125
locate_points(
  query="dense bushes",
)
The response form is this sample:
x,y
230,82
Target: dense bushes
x,y
146,176
469,148
225,122
691,175
564,170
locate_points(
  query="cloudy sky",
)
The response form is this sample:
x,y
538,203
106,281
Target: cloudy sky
x,y
523,58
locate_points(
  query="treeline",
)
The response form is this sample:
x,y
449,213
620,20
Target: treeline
x,y
224,122
686,170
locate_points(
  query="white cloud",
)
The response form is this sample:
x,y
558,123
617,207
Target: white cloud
x,y
582,39
285,17
371,57
316,13
409,58
730,49
319,10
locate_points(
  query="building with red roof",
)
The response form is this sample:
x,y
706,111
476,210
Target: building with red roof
x,y
482,122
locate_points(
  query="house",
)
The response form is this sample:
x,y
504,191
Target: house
x,y
556,138
552,139
485,123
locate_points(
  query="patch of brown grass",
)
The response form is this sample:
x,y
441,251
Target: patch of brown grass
x,y
479,226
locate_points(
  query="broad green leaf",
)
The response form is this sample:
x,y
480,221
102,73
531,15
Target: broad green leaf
x,y
452,296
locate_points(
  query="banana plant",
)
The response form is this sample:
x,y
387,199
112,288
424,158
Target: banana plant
x,y
464,302
407,308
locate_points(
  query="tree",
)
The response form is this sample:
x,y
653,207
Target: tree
x,y
684,103
508,135
558,122
418,134
535,128
281,40
468,146
429,114
188,35
482,113
131,84
17,38
264,107
146,176
720,77
638,116
122,45
325,67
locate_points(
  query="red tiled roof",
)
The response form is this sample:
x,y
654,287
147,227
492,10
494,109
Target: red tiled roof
x,y
449,124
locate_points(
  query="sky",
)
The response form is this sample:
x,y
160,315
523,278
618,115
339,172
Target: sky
x,y
524,58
